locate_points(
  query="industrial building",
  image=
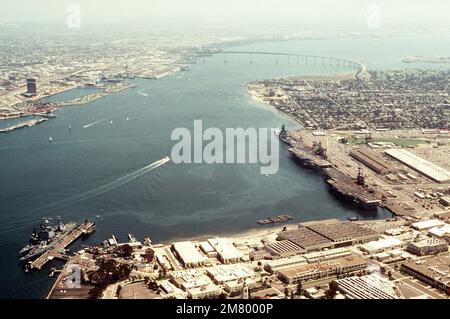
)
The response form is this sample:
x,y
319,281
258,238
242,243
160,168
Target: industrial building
x,y
427,224
306,238
227,253
428,246
273,266
445,201
226,273
325,269
372,161
327,255
421,165
344,233
284,248
381,245
373,286
433,271
188,279
189,254
329,234
441,232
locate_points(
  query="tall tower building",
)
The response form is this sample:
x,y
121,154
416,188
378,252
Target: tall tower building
x,y
31,86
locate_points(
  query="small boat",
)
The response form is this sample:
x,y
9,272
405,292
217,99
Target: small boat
x,y
128,118
70,128
111,122
353,219
50,139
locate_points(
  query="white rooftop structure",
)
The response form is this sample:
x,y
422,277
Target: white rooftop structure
x,y
281,263
440,231
381,244
423,166
189,254
427,224
327,254
227,252
224,273
206,247
205,291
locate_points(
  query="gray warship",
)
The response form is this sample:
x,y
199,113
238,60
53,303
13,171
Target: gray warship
x,y
45,237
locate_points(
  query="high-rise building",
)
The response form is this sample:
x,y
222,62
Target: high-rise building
x,y
31,86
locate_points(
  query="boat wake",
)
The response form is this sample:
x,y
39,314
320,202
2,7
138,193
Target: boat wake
x,y
112,185
96,122
142,93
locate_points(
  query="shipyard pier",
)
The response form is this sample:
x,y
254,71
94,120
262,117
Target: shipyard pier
x,y
50,242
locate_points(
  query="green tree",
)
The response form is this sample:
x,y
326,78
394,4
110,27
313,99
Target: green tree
x,y
149,255
109,272
300,290
124,251
332,290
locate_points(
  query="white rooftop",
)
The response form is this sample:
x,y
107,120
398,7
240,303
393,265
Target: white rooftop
x,y
426,224
381,244
189,253
224,273
440,231
431,170
225,248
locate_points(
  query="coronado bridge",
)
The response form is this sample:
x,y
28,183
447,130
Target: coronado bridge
x,y
360,69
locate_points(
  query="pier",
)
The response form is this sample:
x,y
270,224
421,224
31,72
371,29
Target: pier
x,y
57,252
29,123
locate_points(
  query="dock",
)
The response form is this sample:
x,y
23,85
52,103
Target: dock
x,y
29,123
57,252
275,220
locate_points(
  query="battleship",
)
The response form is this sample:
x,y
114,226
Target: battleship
x,y
44,238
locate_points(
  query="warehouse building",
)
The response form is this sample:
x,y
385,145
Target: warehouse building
x,y
188,254
428,246
326,269
427,224
226,251
432,271
381,245
373,286
421,165
344,233
225,273
372,161
306,238
273,266
327,255
314,236
284,248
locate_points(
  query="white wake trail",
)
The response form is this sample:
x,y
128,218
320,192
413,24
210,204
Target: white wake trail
x,y
114,184
97,122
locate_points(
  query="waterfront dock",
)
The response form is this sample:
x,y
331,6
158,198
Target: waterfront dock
x,y
29,123
57,252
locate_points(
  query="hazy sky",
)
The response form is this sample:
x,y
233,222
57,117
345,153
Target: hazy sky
x,y
395,12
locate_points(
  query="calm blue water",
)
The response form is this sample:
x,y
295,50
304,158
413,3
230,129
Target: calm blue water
x,y
67,178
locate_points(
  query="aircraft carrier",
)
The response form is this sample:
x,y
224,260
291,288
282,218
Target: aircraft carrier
x,y
354,191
